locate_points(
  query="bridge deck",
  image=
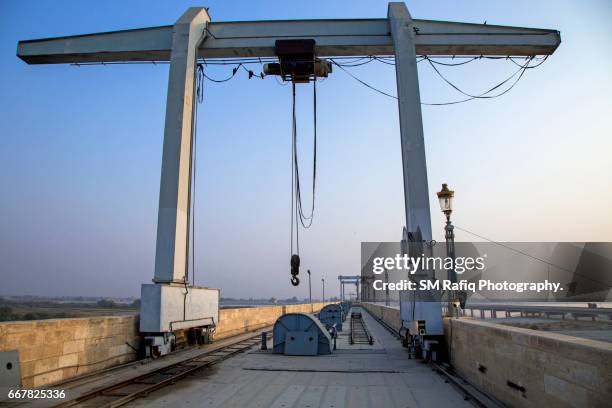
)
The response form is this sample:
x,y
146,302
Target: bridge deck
x,y
354,376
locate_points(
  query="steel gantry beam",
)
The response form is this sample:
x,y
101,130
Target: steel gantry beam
x,y
257,38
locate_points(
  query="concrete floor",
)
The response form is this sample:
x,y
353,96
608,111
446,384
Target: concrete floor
x,y
380,375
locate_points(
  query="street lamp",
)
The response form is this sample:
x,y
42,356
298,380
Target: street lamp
x,y
445,196
323,280
309,287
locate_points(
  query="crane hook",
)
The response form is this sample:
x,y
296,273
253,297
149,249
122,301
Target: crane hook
x,y
295,269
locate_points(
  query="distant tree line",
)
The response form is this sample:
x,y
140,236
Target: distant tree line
x,y
8,308
109,304
7,314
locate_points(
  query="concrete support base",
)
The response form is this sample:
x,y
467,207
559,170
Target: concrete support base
x,y
169,307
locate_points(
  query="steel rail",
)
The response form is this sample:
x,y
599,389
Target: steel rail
x,y
160,377
359,331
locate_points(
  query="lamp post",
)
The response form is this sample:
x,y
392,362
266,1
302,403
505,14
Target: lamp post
x,y
445,196
323,281
309,287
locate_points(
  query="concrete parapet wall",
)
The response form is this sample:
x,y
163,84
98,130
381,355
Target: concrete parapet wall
x,y
237,321
389,315
57,349
530,368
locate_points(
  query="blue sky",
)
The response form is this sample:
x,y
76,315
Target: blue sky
x,y
80,151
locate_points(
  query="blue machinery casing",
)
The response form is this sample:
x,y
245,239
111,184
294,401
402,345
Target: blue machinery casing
x,y
332,315
299,334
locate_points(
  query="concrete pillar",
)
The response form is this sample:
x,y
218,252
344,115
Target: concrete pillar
x,y
174,194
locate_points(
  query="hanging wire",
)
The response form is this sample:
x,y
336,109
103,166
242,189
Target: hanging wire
x,y
483,95
293,176
454,64
386,61
347,60
542,60
360,81
359,62
297,209
305,220
252,74
280,81
200,83
234,71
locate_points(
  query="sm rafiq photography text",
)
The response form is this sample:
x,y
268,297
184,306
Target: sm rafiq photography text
x,y
463,285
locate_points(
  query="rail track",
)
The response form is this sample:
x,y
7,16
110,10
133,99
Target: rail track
x,y
359,331
125,391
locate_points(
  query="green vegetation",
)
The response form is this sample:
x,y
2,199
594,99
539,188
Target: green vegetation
x,y
107,303
7,314
32,309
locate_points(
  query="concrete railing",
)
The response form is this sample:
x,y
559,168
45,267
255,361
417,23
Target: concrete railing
x,y
389,315
530,310
57,349
531,368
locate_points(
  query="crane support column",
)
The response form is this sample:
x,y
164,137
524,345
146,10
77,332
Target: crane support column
x,y
416,196
170,304
174,194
